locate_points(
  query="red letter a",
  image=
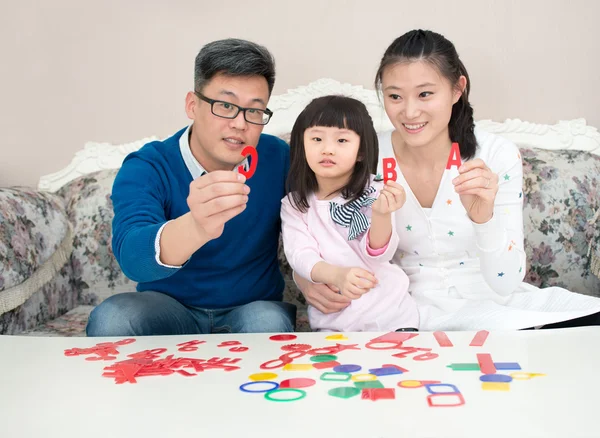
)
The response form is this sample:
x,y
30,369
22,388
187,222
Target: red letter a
x,y
454,158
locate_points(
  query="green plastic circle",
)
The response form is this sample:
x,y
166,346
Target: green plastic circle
x,y
344,392
323,358
269,395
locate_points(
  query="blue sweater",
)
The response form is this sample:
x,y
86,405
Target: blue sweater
x,y
237,268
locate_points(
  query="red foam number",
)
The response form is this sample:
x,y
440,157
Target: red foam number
x,y
249,150
426,356
190,345
128,371
103,350
389,170
229,343
454,158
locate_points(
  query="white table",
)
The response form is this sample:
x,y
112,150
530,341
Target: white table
x,y
44,393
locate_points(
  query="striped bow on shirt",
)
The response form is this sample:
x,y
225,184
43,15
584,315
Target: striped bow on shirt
x,y
349,215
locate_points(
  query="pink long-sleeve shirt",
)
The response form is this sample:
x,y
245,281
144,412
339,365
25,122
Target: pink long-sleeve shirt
x,y
312,237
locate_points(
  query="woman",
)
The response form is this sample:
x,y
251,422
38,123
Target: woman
x,y
461,229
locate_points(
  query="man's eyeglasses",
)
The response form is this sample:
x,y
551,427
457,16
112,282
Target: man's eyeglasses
x,y
228,110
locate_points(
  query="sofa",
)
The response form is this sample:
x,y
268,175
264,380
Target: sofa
x,y
56,260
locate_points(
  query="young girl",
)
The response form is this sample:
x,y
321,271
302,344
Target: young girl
x,y
337,221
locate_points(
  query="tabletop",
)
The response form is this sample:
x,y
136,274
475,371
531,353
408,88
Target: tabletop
x,y
454,384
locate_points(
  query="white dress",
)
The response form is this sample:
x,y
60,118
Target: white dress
x,y
466,276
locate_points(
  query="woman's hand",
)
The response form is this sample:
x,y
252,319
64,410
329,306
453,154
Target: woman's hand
x,y
477,187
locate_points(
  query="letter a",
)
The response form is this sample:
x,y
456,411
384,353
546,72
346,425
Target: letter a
x,y
454,158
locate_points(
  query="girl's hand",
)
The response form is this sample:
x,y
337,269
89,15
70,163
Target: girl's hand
x,y
391,198
325,298
353,282
477,186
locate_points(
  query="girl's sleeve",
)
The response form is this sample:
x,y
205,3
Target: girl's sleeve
x,y
500,241
383,255
300,246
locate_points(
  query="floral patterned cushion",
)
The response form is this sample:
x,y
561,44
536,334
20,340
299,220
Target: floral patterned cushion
x,y
562,198
35,273
52,300
96,273
32,227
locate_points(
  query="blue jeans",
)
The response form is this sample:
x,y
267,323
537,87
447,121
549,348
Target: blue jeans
x,y
153,313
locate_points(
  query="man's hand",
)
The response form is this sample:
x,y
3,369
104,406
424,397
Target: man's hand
x,y
325,298
322,297
216,198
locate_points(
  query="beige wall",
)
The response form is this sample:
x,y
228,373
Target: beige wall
x,y
78,70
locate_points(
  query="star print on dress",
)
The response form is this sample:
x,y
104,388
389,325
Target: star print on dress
x,y
506,177
409,228
449,202
500,274
462,263
450,233
520,194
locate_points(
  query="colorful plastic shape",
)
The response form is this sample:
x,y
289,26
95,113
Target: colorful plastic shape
x,y
344,392
348,368
271,395
297,383
336,377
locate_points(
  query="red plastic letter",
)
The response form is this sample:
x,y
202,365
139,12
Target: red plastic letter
x,y
389,170
249,150
454,158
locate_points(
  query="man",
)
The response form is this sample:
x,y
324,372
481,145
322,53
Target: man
x,y
200,239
